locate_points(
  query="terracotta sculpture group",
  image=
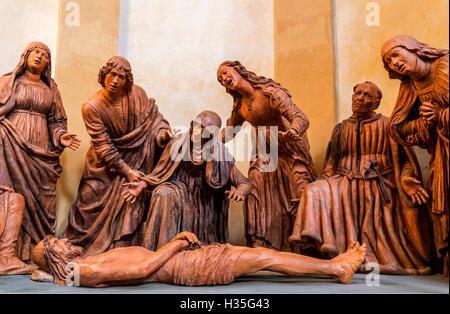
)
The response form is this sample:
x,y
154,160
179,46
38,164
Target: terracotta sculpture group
x,y
152,204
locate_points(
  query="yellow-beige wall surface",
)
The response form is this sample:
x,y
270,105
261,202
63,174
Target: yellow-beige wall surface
x,y
362,27
22,22
175,48
316,49
304,64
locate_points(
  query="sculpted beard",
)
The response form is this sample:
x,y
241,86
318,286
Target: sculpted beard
x,y
57,262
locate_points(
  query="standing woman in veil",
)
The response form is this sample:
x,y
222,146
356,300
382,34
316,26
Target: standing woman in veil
x,y
420,118
33,135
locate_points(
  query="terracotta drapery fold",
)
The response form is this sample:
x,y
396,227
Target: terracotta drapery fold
x,y
343,207
268,221
29,158
100,219
408,128
190,197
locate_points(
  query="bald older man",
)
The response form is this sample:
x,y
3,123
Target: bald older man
x,y
370,191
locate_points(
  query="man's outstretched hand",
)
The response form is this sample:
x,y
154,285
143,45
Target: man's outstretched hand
x,y
235,195
133,190
413,188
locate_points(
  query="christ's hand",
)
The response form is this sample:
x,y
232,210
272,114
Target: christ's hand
x,y
189,237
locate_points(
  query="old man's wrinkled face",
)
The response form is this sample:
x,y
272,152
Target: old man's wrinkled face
x,y
401,61
228,77
37,60
115,81
364,99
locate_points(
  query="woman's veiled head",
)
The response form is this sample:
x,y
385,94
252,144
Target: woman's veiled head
x,y
36,58
400,55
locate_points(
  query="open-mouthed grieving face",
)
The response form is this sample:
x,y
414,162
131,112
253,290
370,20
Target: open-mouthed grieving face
x,y
115,81
229,77
401,60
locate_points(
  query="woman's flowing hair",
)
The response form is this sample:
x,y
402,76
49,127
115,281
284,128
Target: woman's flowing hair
x,y
422,50
253,79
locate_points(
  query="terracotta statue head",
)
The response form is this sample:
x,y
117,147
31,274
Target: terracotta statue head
x,y
37,59
230,74
402,54
206,120
366,99
53,254
116,75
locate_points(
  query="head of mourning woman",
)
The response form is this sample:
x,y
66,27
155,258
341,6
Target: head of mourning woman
x,y
36,58
403,56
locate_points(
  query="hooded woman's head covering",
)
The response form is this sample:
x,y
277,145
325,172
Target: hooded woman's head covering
x,y
411,44
7,88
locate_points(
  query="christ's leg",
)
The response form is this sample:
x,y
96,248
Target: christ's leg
x,y
341,267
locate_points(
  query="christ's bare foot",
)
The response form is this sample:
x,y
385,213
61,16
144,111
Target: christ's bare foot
x,y
347,263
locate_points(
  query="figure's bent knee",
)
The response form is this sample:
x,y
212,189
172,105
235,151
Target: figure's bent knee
x,y
16,202
163,191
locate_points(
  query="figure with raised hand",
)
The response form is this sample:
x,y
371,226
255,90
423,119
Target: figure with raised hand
x,y
127,135
33,135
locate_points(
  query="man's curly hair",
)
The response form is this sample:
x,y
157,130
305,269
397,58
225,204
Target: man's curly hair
x,y
118,63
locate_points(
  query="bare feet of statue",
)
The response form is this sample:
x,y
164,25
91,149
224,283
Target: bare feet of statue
x,y
11,265
347,264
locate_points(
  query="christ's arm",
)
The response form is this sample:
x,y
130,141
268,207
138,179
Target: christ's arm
x,y
130,265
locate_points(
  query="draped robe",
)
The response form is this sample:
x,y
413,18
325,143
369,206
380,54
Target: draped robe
x,y
123,136
343,207
407,127
268,221
190,197
30,151
12,206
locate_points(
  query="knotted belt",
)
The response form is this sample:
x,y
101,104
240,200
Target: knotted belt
x,y
371,170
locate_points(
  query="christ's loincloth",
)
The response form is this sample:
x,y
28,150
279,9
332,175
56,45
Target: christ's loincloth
x,y
206,266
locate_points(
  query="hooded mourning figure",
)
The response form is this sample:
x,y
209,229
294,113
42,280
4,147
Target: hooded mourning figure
x,y
191,186
420,117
